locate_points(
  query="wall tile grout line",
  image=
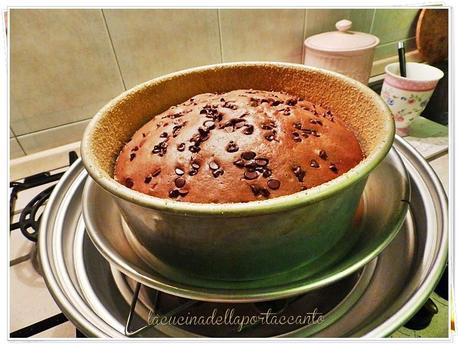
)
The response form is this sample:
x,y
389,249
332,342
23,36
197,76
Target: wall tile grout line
x,y
303,49
54,127
20,145
372,20
113,49
397,40
15,137
220,35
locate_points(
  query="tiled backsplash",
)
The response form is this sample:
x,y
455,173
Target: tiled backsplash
x,y
67,63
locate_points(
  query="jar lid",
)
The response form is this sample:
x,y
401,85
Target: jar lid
x,y
343,39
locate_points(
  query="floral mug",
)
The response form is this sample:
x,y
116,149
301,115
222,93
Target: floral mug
x,y
408,96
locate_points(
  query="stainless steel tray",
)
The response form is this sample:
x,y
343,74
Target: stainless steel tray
x,y
402,276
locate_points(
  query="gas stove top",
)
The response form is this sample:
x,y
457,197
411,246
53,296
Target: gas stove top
x,y
34,313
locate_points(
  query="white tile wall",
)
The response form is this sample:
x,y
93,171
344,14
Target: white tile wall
x,y
67,63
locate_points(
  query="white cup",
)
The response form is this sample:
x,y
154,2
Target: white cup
x,y
408,96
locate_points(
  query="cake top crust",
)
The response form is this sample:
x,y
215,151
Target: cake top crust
x,y
238,146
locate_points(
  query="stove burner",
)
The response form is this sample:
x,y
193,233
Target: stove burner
x,y
28,221
28,183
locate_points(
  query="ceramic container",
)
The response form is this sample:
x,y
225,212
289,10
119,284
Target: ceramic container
x,y
343,51
408,97
242,241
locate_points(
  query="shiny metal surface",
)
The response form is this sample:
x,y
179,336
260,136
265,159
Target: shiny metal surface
x,y
375,228
82,283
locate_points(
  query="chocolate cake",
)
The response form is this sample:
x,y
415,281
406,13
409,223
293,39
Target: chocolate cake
x,y
238,146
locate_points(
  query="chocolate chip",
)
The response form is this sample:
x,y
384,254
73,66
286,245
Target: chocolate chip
x,y
195,165
276,102
213,165
323,155
163,135
160,148
239,163
268,125
299,173
254,102
217,173
313,163
183,193
132,156
250,165
204,133
129,182
249,155
232,147
193,172
174,193
232,124
144,135
194,149
286,112
136,148
180,182
297,125
333,168
255,189
179,171
196,138
328,114
261,161
239,125
230,106
175,115
156,172
248,130
181,147
291,102
273,184
175,130
265,192
296,136
315,121
267,173
250,175
147,179
270,137
209,124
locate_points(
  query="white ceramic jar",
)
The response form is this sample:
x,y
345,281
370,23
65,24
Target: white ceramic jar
x,y
343,51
